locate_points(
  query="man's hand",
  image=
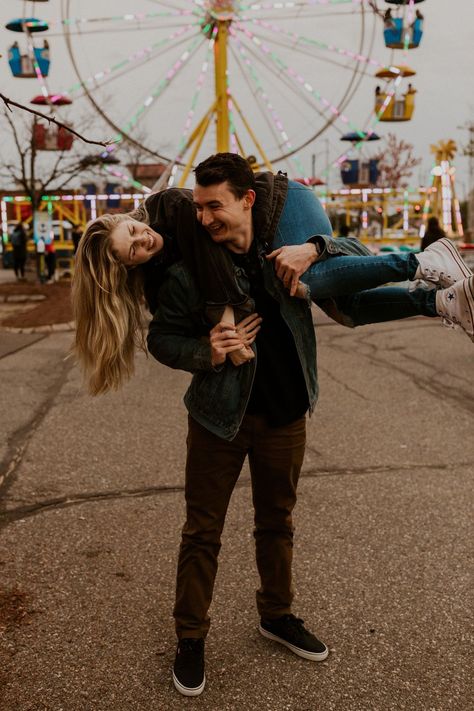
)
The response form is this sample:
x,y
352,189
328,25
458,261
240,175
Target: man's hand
x,y
292,261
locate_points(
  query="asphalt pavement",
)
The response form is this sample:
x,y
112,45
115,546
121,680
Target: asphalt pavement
x,y
92,505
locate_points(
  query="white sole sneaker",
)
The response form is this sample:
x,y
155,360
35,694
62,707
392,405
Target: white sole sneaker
x,y
312,656
441,264
186,691
456,305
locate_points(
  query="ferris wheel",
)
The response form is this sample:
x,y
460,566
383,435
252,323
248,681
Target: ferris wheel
x,y
183,79
180,79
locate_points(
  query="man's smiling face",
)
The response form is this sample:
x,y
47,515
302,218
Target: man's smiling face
x,y
227,218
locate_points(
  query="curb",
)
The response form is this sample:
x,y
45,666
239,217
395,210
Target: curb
x,y
49,328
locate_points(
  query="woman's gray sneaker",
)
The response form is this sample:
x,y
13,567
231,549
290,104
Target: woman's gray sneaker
x,y
441,264
456,305
290,631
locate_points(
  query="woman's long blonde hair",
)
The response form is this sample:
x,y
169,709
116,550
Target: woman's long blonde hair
x,y
107,305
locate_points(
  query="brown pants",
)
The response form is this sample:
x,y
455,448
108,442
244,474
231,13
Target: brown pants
x,y
212,469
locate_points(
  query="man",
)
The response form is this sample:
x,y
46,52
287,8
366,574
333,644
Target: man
x,y
257,409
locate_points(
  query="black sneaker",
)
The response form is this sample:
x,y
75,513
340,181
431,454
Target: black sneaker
x,y
290,631
188,671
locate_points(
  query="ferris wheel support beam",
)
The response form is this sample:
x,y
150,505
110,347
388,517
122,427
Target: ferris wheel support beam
x,y
252,135
222,113
197,138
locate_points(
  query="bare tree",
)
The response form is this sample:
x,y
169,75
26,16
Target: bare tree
x,y
34,171
396,163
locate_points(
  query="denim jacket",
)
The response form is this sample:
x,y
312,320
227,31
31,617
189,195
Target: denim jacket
x,y
178,337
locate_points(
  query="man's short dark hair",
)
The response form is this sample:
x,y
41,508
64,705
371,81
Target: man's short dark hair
x,y
229,167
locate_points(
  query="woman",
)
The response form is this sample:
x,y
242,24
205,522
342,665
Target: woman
x,y
121,262
122,259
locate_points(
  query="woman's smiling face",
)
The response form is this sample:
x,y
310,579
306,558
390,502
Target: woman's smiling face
x,y
134,242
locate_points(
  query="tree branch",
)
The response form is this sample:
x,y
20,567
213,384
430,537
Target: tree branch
x,y
8,102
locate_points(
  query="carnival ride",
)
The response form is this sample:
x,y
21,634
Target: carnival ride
x,y
441,199
403,32
186,79
250,70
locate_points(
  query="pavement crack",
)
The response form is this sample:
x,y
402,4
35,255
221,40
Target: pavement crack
x,y
62,502
332,377
434,382
20,438
26,511
380,469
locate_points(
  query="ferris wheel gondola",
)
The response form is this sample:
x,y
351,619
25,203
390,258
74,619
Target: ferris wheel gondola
x,y
51,100
399,36
403,32
359,172
393,104
34,63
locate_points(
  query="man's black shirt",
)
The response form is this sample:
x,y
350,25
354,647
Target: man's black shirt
x,y
279,390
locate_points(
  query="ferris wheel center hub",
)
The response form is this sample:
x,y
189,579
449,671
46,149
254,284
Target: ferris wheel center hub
x,y
223,10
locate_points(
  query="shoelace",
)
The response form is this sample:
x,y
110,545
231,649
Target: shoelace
x,y
187,646
294,624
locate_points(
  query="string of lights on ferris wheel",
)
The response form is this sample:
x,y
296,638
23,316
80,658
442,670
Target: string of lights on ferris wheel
x,y
350,54
301,39
299,79
170,74
143,54
192,110
288,5
128,17
260,92
292,73
300,82
136,56
148,101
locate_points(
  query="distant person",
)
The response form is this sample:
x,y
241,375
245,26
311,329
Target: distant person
x,y
40,259
389,24
343,230
433,233
50,260
19,240
76,235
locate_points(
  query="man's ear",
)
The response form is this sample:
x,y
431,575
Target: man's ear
x,y
249,198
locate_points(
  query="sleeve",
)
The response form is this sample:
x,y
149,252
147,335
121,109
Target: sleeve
x,y
173,335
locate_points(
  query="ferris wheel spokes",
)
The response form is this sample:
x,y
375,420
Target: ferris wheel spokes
x,y
301,85
136,59
271,115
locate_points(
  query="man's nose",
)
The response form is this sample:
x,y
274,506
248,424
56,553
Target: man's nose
x,y
206,217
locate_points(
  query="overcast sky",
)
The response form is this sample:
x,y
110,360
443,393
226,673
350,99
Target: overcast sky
x,y
444,80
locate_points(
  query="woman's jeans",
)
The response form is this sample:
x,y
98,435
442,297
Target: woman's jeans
x,y
351,282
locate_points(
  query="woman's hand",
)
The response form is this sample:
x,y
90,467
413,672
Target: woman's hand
x,y
247,331
235,341
224,339
248,328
